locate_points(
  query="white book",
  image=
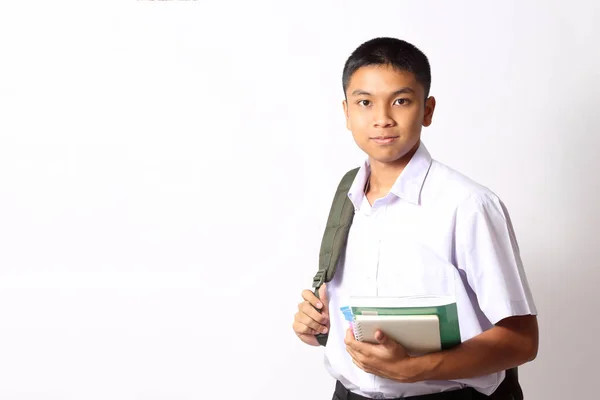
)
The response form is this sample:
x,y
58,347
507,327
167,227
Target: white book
x,y
418,334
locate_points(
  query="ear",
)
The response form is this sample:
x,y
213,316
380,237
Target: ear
x,y
345,105
429,109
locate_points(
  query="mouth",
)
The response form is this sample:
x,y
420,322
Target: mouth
x,y
384,139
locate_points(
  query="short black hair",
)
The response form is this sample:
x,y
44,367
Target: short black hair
x,y
397,53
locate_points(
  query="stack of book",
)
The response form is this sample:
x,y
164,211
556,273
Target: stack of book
x,y
421,324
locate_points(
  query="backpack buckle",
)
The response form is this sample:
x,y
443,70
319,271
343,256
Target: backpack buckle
x,y
319,279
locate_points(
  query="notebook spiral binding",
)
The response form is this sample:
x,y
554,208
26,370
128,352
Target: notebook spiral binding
x,y
358,334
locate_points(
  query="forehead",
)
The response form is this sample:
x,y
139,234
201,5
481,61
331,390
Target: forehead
x,y
382,79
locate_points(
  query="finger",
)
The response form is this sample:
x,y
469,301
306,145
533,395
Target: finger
x,y
363,363
354,344
349,339
302,329
352,348
308,309
360,364
355,357
312,299
311,323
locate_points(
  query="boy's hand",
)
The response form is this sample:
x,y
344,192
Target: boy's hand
x,y
387,359
308,322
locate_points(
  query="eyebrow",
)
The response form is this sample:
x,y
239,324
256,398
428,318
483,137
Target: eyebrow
x,y
360,92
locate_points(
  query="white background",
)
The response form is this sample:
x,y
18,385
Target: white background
x,y
166,170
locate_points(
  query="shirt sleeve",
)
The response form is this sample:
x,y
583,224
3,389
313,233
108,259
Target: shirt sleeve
x,y
488,253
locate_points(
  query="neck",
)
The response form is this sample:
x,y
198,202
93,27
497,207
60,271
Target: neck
x,y
384,175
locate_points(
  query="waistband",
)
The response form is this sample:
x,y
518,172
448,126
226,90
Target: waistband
x,y
461,394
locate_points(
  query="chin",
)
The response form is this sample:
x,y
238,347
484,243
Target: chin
x,y
391,155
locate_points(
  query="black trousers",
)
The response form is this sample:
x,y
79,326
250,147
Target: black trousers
x,y
341,393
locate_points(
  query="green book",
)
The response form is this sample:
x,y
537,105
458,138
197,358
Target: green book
x,y
422,324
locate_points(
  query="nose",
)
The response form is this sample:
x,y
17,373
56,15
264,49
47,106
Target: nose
x,y
382,118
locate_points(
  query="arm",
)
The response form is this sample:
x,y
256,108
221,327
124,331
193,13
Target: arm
x,y
512,342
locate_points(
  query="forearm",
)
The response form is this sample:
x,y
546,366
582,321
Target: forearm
x,y
510,343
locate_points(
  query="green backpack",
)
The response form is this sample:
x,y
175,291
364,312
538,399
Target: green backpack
x,y
333,243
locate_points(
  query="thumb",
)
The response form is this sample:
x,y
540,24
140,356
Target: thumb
x,y
382,338
323,298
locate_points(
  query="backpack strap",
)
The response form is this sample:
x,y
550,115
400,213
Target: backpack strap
x,y
335,236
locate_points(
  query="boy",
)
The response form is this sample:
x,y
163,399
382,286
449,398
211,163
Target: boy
x,y
419,227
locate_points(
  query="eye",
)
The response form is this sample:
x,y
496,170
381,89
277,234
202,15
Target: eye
x,y
364,103
402,102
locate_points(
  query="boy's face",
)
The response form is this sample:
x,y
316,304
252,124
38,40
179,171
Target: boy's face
x,y
385,110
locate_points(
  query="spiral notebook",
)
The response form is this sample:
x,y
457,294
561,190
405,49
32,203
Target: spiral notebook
x,y
422,324
418,334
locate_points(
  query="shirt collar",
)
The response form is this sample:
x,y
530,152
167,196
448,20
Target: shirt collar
x,y
407,186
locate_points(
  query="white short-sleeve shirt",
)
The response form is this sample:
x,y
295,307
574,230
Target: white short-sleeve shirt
x,y
435,232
